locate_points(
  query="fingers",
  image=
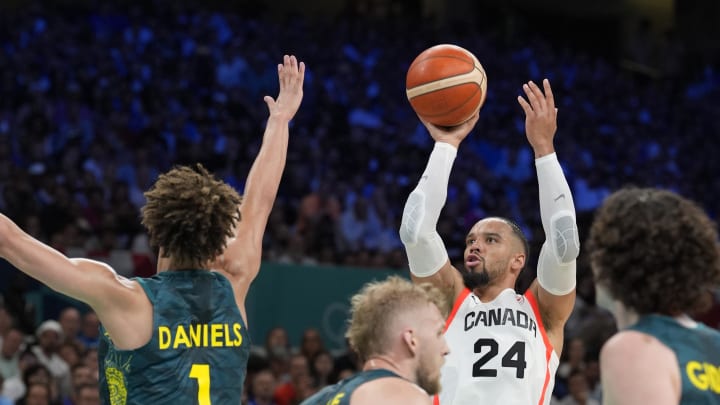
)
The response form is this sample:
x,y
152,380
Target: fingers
x,y
301,73
472,121
537,101
269,101
549,98
291,71
525,106
535,95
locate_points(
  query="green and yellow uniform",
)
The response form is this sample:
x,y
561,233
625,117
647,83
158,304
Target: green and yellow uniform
x,y
198,352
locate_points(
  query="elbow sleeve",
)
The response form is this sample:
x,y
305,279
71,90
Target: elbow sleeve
x,y
424,247
556,265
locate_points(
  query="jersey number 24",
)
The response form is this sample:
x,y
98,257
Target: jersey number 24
x,y
489,348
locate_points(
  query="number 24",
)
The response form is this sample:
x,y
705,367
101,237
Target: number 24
x,y
513,358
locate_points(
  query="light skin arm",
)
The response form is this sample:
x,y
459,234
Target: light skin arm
x,y
448,278
540,128
637,369
241,259
89,281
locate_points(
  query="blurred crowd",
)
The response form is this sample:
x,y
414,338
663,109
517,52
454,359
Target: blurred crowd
x,y
95,103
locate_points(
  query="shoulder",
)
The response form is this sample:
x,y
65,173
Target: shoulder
x,y
633,344
635,363
390,390
632,349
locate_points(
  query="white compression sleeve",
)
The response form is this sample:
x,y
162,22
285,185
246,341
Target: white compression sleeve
x,y
425,249
556,265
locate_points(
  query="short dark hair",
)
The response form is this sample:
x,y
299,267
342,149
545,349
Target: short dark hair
x,y
190,214
654,250
518,234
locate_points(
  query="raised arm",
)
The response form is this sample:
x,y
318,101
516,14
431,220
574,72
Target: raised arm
x,y
427,256
243,254
89,281
555,286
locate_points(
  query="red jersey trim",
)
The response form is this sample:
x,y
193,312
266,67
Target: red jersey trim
x,y
458,301
548,347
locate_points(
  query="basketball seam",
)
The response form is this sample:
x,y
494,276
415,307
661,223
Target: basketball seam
x,y
454,80
439,57
454,109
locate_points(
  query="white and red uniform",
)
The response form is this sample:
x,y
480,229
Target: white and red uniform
x,y
500,353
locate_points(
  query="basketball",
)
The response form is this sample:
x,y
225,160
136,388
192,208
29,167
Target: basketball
x,y
446,85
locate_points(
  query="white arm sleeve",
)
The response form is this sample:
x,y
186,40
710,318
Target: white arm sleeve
x,y
425,249
556,264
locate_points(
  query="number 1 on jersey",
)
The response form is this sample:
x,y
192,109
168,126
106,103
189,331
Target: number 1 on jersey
x,y
201,372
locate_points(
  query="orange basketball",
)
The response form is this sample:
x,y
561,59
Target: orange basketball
x,y
446,85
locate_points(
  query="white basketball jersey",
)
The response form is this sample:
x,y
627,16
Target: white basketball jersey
x,y
499,353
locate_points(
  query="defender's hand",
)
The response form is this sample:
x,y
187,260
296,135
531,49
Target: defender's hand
x,y
291,75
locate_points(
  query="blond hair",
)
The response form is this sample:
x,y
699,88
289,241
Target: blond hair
x,y
378,303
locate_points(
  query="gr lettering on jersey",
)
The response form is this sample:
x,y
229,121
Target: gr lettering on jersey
x,y
704,376
336,399
500,317
199,335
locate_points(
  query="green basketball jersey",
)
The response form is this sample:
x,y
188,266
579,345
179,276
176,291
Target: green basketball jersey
x,y
198,352
340,393
698,353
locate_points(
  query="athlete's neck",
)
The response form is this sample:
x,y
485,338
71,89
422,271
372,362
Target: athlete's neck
x,y
387,363
169,263
489,292
624,317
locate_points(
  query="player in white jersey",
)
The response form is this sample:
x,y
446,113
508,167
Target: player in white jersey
x,y
504,347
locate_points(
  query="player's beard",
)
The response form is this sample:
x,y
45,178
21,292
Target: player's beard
x,y
426,381
474,279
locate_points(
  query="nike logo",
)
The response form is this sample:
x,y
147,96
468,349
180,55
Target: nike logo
x,y
559,197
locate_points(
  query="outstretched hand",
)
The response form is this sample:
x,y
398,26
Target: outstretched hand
x,y
540,117
452,135
291,75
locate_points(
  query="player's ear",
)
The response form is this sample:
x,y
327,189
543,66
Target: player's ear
x,y
517,262
410,340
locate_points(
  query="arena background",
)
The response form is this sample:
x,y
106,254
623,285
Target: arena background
x,y
637,81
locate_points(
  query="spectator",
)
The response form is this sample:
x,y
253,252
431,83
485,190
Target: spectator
x,y
70,322
90,331
311,343
49,335
574,358
34,374
70,353
293,391
36,394
579,394
14,387
6,322
263,388
81,377
87,394
3,399
10,350
321,368
90,360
